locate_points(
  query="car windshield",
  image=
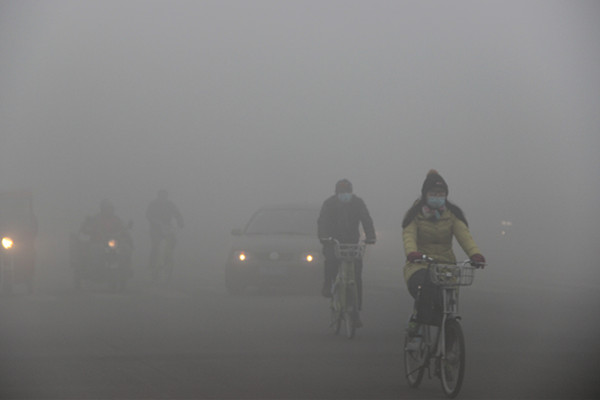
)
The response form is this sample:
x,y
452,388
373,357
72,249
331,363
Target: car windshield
x,y
284,221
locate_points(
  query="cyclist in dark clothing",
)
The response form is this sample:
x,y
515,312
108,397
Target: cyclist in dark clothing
x,y
340,217
160,213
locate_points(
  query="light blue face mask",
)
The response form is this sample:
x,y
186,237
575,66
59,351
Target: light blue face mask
x,y
344,197
436,202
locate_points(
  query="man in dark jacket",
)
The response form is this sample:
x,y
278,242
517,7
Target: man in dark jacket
x,y
339,219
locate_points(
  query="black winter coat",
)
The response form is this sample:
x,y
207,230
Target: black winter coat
x,y
340,220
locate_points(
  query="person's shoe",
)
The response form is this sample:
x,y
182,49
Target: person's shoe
x,y
326,290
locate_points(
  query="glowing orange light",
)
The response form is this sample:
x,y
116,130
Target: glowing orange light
x,y
242,257
7,243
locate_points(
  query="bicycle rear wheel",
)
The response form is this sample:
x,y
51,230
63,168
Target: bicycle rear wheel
x,y
415,353
452,367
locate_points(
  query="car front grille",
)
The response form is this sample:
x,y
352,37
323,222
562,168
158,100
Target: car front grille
x,y
268,256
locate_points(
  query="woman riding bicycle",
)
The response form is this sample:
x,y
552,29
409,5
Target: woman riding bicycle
x,y
427,230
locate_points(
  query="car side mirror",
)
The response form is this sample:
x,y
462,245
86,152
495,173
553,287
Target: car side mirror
x,y
236,232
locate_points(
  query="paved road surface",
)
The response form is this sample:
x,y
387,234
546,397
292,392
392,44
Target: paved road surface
x,y
192,340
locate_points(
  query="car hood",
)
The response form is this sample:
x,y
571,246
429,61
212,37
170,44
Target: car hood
x,y
283,243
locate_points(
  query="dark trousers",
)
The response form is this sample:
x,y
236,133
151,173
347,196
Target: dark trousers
x,y
428,298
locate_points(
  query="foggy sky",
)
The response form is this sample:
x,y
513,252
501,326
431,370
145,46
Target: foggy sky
x,y
231,105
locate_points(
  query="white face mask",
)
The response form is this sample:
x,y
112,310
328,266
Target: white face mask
x,y
436,202
344,197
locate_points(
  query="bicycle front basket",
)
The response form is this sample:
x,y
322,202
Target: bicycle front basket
x,y
451,275
349,251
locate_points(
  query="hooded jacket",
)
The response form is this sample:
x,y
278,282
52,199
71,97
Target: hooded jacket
x,y
434,238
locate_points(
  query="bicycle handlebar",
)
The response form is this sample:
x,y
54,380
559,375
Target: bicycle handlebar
x,y
428,260
347,251
449,274
335,241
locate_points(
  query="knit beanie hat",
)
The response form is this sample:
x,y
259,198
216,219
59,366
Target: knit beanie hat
x,y
433,181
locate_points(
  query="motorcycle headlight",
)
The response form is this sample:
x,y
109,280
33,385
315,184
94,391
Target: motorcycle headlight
x,y
309,258
7,242
112,243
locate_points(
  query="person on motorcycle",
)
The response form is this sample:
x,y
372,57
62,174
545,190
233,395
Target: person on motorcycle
x,y
104,226
340,217
160,214
18,222
427,230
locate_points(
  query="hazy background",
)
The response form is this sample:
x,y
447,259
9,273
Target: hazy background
x,y
230,105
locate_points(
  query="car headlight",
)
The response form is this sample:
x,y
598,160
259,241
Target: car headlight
x,y
112,243
240,256
7,242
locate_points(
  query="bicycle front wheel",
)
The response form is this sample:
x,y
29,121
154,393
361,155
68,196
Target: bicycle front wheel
x,y
350,316
415,353
452,366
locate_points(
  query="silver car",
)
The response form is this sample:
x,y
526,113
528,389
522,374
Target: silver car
x,y
278,246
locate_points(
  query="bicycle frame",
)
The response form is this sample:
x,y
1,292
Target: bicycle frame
x,y
419,355
345,284
434,339
344,299
450,311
